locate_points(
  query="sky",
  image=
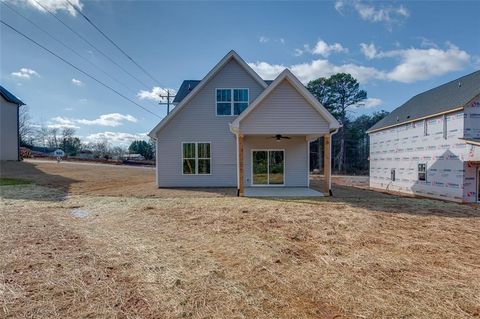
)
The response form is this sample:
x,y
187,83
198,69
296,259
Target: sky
x,y
395,50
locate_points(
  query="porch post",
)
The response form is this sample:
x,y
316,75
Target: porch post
x,y
327,165
241,166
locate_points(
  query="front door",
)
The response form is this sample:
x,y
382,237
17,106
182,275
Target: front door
x,y
268,167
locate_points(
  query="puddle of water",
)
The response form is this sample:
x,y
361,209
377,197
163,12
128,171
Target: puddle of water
x,y
80,213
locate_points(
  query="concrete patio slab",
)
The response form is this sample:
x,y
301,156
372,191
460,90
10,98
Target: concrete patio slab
x,y
281,192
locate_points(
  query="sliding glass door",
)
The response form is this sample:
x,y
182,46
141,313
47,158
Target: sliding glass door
x,y
268,167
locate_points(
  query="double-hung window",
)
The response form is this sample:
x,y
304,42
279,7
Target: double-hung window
x,y
422,172
231,101
196,158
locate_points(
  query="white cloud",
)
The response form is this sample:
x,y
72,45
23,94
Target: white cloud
x,y
376,13
61,122
263,39
113,120
51,5
317,68
154,94
324,49
420,64
370,102
117,138
413,65
369,50
25,73
77,82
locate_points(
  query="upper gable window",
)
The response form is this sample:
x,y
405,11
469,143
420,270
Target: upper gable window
x,y
231,101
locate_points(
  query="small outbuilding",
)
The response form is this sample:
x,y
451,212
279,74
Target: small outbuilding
x,y
9,126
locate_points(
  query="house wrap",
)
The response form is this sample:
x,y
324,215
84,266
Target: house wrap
x,y
430,146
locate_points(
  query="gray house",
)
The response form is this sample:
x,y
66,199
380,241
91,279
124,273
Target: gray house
x,y
234,129
9,125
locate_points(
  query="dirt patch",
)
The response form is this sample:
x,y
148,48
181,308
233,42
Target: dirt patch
x,y
197,254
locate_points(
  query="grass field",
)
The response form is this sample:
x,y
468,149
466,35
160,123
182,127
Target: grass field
x,y
99,241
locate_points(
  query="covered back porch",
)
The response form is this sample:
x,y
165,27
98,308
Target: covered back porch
x,y
273,135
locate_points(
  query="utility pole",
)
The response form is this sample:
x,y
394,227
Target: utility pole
x,y
168,96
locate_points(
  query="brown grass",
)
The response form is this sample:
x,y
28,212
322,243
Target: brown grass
x,y
148,253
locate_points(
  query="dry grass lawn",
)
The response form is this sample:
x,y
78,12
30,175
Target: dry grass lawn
x,y
97,241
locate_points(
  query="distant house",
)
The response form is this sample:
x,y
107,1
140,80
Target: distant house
x,y
430,146
9,126
133,157
58,153
235,129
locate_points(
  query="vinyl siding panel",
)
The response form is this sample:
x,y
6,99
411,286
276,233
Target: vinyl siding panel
x,y
296,159
197,122
9,131
284,111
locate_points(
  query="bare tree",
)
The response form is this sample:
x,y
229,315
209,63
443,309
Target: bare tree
x,y
52,137
25,127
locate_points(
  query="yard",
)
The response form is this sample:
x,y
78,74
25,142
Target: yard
x,y
99,241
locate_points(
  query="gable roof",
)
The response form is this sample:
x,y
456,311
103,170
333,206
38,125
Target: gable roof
x,y
10,97
188,85
292,79
442,99
230,55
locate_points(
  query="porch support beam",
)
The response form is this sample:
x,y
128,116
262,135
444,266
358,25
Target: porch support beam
x,y
327,165
241,186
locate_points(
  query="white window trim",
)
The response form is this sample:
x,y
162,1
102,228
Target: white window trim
x,y
418,172
196,158
232,102
268,167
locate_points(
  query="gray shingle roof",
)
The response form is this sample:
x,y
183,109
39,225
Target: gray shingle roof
x,y
443,98
10,97
188,85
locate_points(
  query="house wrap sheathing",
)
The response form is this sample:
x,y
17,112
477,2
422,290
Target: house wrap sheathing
x,y
444,145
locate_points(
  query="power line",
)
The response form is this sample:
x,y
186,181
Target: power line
x,y
67,47
77,68
112,42
92,45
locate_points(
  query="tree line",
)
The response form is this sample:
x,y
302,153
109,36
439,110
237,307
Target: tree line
x,y
44,138
340,94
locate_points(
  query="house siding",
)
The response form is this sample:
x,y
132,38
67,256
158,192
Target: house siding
x,y
197,122
296,158
9,130
472,119
403,147
284,111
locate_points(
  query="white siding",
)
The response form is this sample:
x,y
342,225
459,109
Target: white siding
x,y
296,158
402,148
197,122
9,131
284,111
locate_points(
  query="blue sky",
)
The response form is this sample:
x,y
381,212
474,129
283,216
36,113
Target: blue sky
x,y
395,49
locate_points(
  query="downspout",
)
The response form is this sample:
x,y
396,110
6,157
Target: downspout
x,y
331,159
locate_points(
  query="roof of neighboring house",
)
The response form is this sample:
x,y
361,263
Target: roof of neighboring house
x,y
449,96
188,85
10,97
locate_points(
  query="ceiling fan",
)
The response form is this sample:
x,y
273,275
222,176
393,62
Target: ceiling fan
x,y
279,137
